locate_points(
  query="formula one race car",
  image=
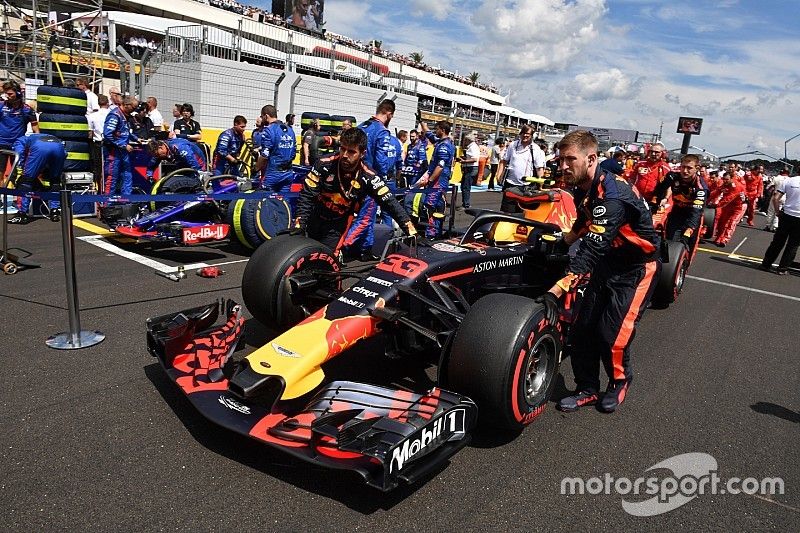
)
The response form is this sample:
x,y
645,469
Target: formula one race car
x,y
202,220
467,304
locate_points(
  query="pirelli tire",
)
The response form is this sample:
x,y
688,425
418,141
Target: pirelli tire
x,y
65,127
672,275
510,369
240,215
78,156
266,289
61,100
709,215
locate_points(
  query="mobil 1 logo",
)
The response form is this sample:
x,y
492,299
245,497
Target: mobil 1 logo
x,y
428,438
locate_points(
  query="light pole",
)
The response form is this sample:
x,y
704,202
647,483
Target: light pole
x,y
785,144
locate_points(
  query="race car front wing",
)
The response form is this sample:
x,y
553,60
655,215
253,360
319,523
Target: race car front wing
x,y
386,435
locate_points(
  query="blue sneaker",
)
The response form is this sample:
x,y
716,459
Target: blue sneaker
x,y
575,402
615,395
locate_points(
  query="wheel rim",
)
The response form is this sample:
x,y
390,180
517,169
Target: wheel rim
x,y
680,278
537,367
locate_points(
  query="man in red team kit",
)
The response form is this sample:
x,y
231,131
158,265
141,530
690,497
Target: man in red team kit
x,y
753,189
731,206
646,175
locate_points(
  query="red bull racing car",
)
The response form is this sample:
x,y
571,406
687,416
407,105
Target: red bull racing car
x,y
467,304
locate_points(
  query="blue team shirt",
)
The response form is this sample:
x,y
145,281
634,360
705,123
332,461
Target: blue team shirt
x,y
279,145
14,122
416,162
379,146
229,143
116,130
183,153
443,154
395,156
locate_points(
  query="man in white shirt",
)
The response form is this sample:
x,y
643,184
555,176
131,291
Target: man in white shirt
x,y
788,232
91,98
523,158
469,168
153,113
97,121
772,212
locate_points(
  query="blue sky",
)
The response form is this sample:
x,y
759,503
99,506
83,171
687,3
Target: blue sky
x,y
614,63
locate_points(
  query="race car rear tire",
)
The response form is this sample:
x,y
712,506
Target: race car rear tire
x,y
65,127
66,100
672,276
709,214
78,156
265,285
510,368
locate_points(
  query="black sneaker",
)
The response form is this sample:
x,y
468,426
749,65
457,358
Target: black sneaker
x,y
20,218
575,402
55,215
615,395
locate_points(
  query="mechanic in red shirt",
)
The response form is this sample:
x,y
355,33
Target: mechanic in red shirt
x,y
619,256
731,206
754,189
646,175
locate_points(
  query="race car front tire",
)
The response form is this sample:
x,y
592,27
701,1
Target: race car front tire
x,y
709,214
509,369
672,276
187,182
265,284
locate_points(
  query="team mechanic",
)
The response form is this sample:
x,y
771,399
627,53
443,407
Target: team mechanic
x,y
646,175
379,157
183,153
438,179
276,152
337,186
41,157
620,250
117,137
688,192
229,143
15,115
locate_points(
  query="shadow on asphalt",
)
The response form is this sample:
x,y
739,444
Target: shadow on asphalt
x,y
162,298
768,408
340,485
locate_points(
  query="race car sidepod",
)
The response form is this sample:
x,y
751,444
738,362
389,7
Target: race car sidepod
x,y
386,435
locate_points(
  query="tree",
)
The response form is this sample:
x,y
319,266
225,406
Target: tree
x,y
416,57
473,77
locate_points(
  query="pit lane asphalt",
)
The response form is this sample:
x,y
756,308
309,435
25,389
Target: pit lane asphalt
x,y
99,439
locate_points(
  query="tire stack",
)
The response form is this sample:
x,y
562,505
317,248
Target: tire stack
x,y
63,115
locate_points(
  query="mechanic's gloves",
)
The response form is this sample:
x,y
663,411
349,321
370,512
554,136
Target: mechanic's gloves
x,y
551,307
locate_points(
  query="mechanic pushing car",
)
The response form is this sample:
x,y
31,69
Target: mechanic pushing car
x,y
620,250
40,156
183,153
646,175
337,187
688,193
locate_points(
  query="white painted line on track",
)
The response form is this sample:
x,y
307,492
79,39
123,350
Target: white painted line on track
x,y
203,265
102,242
733,253
741,287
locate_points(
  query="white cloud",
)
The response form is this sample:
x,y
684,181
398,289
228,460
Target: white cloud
x,y
438,9
537,35
605,85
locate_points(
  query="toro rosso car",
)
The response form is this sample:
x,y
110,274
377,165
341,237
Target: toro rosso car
x,y
467,304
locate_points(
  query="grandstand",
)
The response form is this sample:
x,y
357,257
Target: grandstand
x,y
230,59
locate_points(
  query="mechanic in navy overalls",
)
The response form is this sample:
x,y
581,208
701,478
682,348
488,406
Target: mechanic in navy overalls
x,y
15,115
40,156
394,174
361,235
276,152
117,137
437,177
229,144
183,153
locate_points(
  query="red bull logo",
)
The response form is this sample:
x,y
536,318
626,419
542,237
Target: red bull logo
x,y
212,232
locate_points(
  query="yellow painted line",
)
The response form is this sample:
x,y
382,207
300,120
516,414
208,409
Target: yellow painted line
x,y
721,252
99,230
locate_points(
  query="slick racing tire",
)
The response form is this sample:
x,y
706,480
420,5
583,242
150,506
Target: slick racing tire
x,y
272,216
266,289
240,215
65,127
673,273
709,215
182,181
78,156
510,369
64,100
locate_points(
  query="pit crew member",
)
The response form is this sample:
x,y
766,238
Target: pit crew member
x,y
40,157
437,180
186,127
276,151
753,189
379,157
337,186
646,175
228,145
182,153
117,139
620,250
731,206
15,115
687,192
416,160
